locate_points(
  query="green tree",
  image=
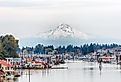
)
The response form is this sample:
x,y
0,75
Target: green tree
x,y
9,46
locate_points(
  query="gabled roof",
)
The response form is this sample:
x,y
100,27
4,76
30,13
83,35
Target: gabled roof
x,y
3,62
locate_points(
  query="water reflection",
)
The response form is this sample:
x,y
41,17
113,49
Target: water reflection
x,y
15,80
77,72
100,74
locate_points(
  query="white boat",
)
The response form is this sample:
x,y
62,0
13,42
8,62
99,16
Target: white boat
x,y
73,61
10,76
60,66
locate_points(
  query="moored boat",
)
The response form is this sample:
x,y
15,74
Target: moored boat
x,y
11,74
16,74
60,66
9,77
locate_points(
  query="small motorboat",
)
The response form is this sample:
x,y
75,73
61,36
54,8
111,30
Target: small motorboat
x,y
60,66
9,77
16,74
11,74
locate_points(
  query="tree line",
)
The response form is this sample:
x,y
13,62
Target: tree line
x,y
83,49
9,48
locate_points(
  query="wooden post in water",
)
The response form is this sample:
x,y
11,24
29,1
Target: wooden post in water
x,y
120,61
29,74
0,78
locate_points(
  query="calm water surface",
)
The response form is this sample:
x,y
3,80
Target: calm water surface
x,y
77,72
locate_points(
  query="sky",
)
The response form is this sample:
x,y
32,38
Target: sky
x,y
27,18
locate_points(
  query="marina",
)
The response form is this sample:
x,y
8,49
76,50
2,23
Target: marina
x,y
77,71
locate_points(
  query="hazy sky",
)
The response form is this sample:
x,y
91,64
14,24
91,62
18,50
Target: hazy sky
x,y
26,18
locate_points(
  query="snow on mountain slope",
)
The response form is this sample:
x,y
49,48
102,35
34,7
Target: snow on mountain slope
x,y
64,31
63,34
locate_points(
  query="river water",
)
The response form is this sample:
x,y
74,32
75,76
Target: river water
x,y
76,72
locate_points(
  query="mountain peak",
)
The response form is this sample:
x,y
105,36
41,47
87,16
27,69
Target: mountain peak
x,y
62,32
62,26
65,28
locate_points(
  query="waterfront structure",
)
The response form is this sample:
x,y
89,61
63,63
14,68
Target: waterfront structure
x,y
5,66
16,62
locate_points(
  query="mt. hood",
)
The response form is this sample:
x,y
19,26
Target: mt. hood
x,y
63,34
64,31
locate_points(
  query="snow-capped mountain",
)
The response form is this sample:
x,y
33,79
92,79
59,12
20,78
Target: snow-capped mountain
x,y
64,31
63,34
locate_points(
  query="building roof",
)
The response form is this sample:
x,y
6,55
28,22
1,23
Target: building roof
x,y
3,62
